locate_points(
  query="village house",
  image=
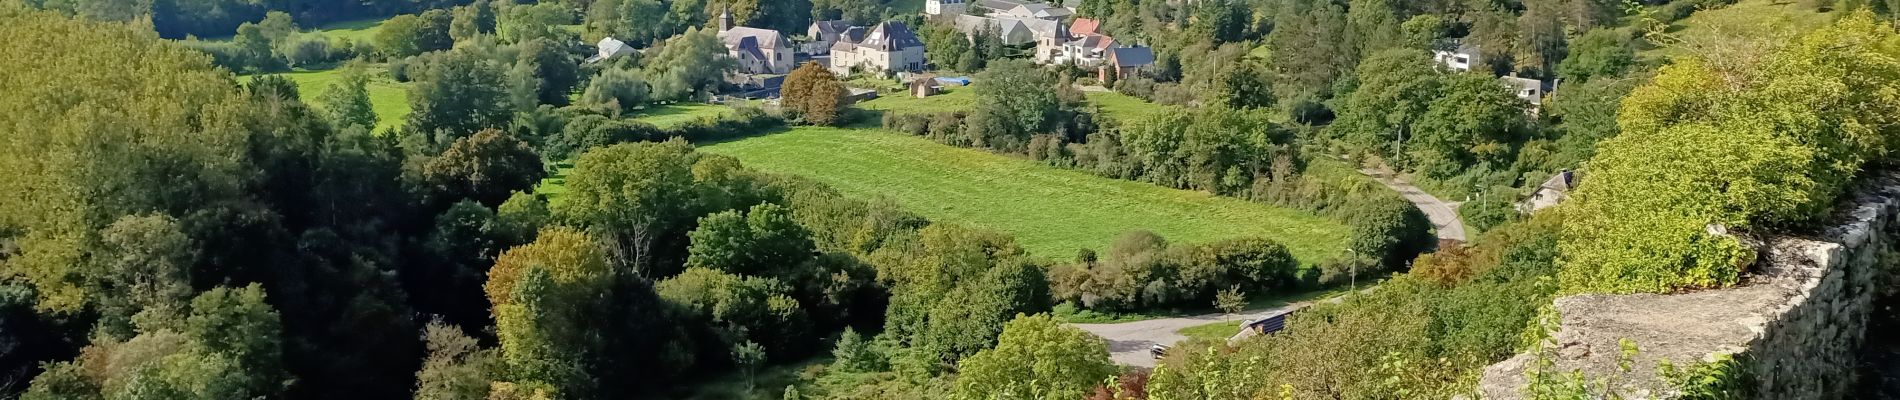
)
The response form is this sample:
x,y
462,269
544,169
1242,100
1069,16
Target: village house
x,y
1011,30
945,7
1554,190
759,51
823,34
1461,57
1087,47
608,48
1125,61
889,47
1531,90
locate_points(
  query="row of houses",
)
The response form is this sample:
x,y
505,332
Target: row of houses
x,y
1058,38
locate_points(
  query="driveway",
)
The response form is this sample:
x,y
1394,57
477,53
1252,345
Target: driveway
x,y
1444,216
1128,342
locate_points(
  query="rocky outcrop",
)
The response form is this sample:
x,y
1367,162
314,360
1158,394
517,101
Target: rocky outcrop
x,y
1796,322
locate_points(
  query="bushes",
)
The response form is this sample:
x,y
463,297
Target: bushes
x,y
1142,272
1415,337
1700,157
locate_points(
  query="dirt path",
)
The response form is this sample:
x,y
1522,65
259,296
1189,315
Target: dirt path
x,y
1444,215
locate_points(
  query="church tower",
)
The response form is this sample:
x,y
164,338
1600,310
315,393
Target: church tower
x,y
725,18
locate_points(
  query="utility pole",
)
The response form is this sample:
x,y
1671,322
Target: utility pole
x,y
1352,274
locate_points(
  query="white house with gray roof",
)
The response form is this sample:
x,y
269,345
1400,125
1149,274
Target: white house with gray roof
x,y
889,47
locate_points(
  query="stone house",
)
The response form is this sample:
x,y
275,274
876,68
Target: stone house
x,y
759,51
823,34
889,47
1554,190
1126,61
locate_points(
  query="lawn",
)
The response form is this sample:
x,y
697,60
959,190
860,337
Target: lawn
x,y
953,98
671,115
1215,330
1127,108
389,98
1052,211
358,30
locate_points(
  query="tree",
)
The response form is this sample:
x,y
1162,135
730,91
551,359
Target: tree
x,y
526,22
254,49
689,66
813,95
145,271
1035,358
1475,120
457,368
1373,25
632,195
1395,88
1230,300
556,69
544,294
749,357
397,36
277,26
485,167
1019,97
1309,49
463,94
1599,53
346,101
617,89
474,19
765,241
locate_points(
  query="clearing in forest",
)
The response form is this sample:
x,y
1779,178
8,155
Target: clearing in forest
x,y
1052,211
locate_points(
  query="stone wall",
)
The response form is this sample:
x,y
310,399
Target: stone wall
x,y
1796,322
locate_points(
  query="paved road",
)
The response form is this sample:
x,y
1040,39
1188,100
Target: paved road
x,y
1128,342
1444,216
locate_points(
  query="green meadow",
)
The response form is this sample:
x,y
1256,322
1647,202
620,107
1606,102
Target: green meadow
x,y
1052,211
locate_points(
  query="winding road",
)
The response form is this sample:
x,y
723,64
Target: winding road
x,y
1444,216
1128,342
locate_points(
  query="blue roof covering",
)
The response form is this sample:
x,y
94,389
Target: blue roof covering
x,y
958,80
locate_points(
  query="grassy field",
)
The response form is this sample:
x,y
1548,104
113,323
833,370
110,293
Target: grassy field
x,y
389,98
954,98
1051,211
357,30
1127,108
671,115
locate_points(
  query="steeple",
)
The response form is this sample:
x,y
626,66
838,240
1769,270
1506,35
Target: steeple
x,y
725,18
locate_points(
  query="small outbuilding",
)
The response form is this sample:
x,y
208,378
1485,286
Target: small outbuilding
x,y
1554,190
925,87
608,48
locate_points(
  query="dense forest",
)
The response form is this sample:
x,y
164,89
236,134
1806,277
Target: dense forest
x,y
171,229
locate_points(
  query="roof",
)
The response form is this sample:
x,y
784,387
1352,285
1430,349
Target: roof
x,y
832,27
741,37
930,82
1013,30
891,36
1131,56
1560,182
1094,42
853,34
610,48
1085,27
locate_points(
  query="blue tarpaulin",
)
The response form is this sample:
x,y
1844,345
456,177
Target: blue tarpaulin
x,y
954,80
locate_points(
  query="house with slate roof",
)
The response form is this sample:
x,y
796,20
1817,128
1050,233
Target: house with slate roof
x,y
888,48
823,34
759,51
1126,61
